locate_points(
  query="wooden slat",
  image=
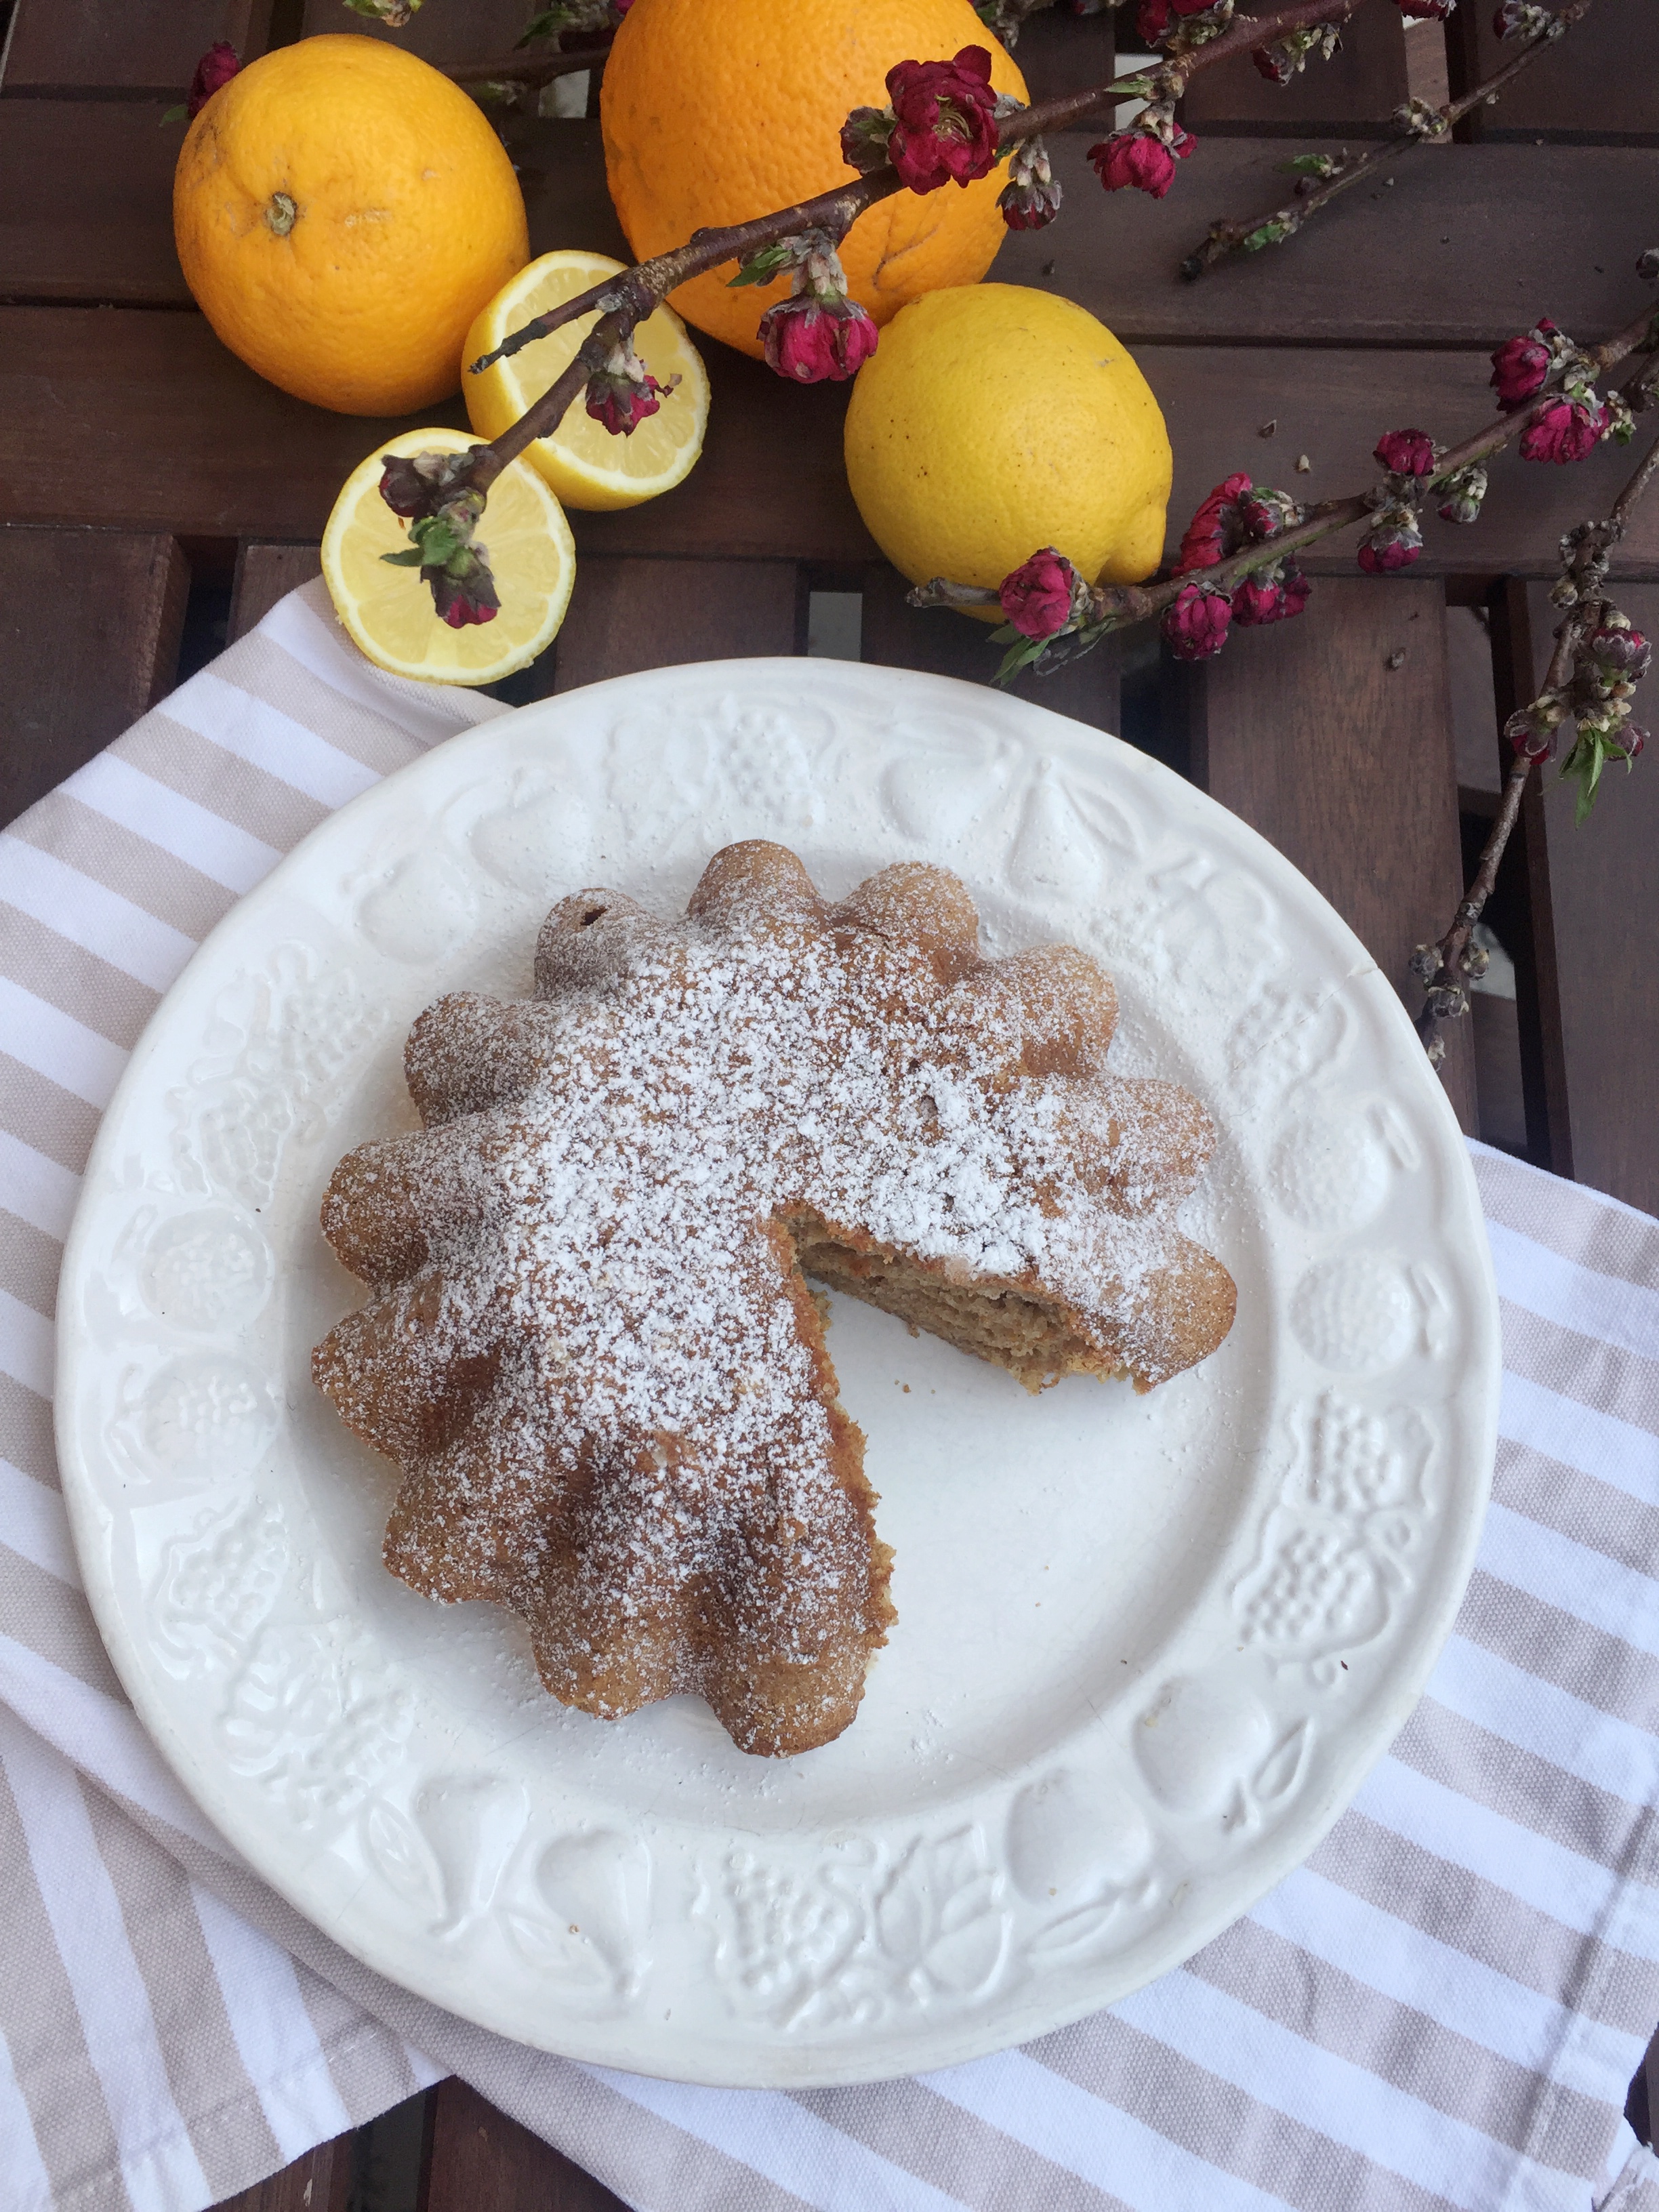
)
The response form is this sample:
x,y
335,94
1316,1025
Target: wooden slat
x,y
73,46
121,417
1595,940
1355,92
86,201
481,2161
637,613
476,30
1347,766
1059,52
266,573
85,214
1444,260
1601,82
944,643
321,2181
89,629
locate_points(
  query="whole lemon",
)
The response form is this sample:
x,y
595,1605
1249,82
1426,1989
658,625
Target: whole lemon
x,y
717,111
342,213
994,420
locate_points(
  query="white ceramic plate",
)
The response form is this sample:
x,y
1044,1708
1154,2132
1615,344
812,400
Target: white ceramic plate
x,y
1146,1646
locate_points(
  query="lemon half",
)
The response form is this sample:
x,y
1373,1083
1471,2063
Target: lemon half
x,y
586,467
389,611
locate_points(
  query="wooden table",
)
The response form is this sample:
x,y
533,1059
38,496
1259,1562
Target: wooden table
x,y
157,497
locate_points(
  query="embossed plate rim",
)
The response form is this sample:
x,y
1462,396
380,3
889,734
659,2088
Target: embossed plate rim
x,y
754,2053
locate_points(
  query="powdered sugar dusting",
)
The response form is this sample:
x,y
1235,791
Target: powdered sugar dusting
x,y
585,1264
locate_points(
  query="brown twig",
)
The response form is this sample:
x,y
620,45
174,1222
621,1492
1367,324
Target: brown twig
x,y
1412,128
1446,968
835,211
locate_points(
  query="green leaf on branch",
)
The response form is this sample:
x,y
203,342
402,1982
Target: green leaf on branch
x,y
761,268
1273,233
179,114
1310,165
412,559
1021,656
1005,634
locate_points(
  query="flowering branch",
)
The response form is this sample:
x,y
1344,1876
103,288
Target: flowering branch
x,y
1323,176
943,124
1237,557
1600,657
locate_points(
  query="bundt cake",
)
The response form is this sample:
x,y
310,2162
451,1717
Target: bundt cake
x,y
590,1347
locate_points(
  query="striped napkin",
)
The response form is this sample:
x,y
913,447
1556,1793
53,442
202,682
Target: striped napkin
x,y
1442,2007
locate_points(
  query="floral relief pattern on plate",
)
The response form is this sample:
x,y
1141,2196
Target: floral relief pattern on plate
x,y
276,1044
864,1931
1336,1555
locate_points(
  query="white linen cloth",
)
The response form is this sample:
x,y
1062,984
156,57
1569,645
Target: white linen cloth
x,y
1441,2008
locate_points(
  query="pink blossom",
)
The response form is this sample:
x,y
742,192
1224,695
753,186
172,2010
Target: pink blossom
x,y
1624,650
1405,452
462,602
1137,158
1521,367
1037,597
946,120
1391,545
621,403
1258,599
1214,532
1566,431
1196,624
811,342
216,67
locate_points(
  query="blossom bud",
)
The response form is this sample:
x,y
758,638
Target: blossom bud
x,y
864,137
1217,529
1154,20
1030,197
1567,430
1521,367
1636,740
1463,493
1264,513
1619,646
621,401
1647,267
1405,452
1277,63
1518,19
216,67
1393,543
1270,595
1041,595
1531,729
944,120
464,600
1141,158
813,340
1196,623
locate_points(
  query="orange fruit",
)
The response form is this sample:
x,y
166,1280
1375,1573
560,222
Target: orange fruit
x,y
717,111
342,213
